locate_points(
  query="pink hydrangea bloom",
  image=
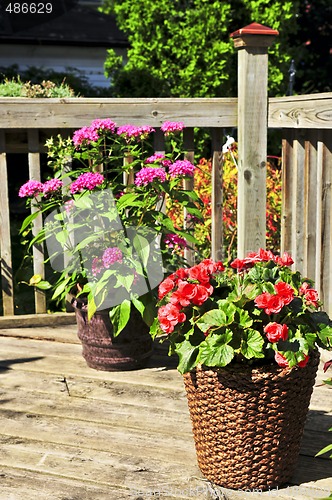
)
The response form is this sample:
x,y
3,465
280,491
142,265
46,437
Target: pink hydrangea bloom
x,y
89,180
169,127
85,135
181,167
149,174
30,188
111,255
172,239
159,158
131,131
52,185
103,124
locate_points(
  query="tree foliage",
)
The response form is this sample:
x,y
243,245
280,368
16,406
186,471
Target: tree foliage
x,y
183,48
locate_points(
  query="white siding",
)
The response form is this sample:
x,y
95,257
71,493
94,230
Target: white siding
x,y
89,60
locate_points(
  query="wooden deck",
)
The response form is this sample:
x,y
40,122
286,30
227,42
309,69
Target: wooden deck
x,y
72,433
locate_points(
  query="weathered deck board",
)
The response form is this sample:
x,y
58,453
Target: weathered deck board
x,y
70,432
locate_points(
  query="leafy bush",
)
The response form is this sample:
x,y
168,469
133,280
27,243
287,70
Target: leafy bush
x,y
202,182
16,88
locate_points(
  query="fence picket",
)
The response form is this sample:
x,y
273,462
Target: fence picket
x,y
38,249
6,271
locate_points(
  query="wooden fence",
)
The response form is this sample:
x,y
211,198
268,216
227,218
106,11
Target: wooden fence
x,y
306,122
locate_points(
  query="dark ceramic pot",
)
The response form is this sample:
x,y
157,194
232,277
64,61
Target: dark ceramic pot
x,y
130,350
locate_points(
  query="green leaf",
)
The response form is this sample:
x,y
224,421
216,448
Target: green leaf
x,y
187,356
92,308
62,237
28,220
119,316
154,328
252,345
213,318
127,200
142,247
217,317
195,211
215,351
325,335
43,285
243,318
61,288
325,450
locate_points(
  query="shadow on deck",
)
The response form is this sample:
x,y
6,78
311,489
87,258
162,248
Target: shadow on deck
x,y
69,432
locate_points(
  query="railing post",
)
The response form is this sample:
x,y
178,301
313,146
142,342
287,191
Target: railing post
x,y
252,43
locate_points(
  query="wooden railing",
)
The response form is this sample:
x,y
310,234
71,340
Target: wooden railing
x,y
306,122
307,165
28,123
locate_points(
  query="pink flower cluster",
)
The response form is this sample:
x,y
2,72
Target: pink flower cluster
x,y
159,158
34,188
310,295
111,255
103,124
148,174
261,256
131,131
30,188
275,332
283,363
88,180
181,167
186,287
273,303
97,266
170,127
174,239
52,186
85,135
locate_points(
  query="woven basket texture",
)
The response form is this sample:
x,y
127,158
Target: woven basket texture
x,y
102,351
248,422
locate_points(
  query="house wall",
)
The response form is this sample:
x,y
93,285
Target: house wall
x,y
89,60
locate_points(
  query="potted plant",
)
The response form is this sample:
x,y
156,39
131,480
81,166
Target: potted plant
x,y
108,238
247,338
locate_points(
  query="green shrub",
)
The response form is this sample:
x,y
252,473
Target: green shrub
x,y
16,88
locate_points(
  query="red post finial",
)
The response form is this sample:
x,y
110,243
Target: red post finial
x,y
254,34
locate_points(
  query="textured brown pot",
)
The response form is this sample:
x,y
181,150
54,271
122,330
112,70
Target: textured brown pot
x,y
130,350
248,422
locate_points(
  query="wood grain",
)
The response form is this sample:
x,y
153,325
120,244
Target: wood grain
x,y
6,269
68,431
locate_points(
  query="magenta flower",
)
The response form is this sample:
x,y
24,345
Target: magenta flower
x,y
89,180
85,135
170,127
103,124
111,255
97,266
30,188
148,174
69,205
172,239
52,186
181,167
131,131
159,158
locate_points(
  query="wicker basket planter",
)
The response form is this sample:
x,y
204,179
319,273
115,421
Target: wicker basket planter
x,y
248,422
130,350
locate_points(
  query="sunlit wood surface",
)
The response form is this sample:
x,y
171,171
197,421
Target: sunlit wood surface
x,y
68,432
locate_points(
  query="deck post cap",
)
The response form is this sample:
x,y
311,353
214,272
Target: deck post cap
x,y
254,34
